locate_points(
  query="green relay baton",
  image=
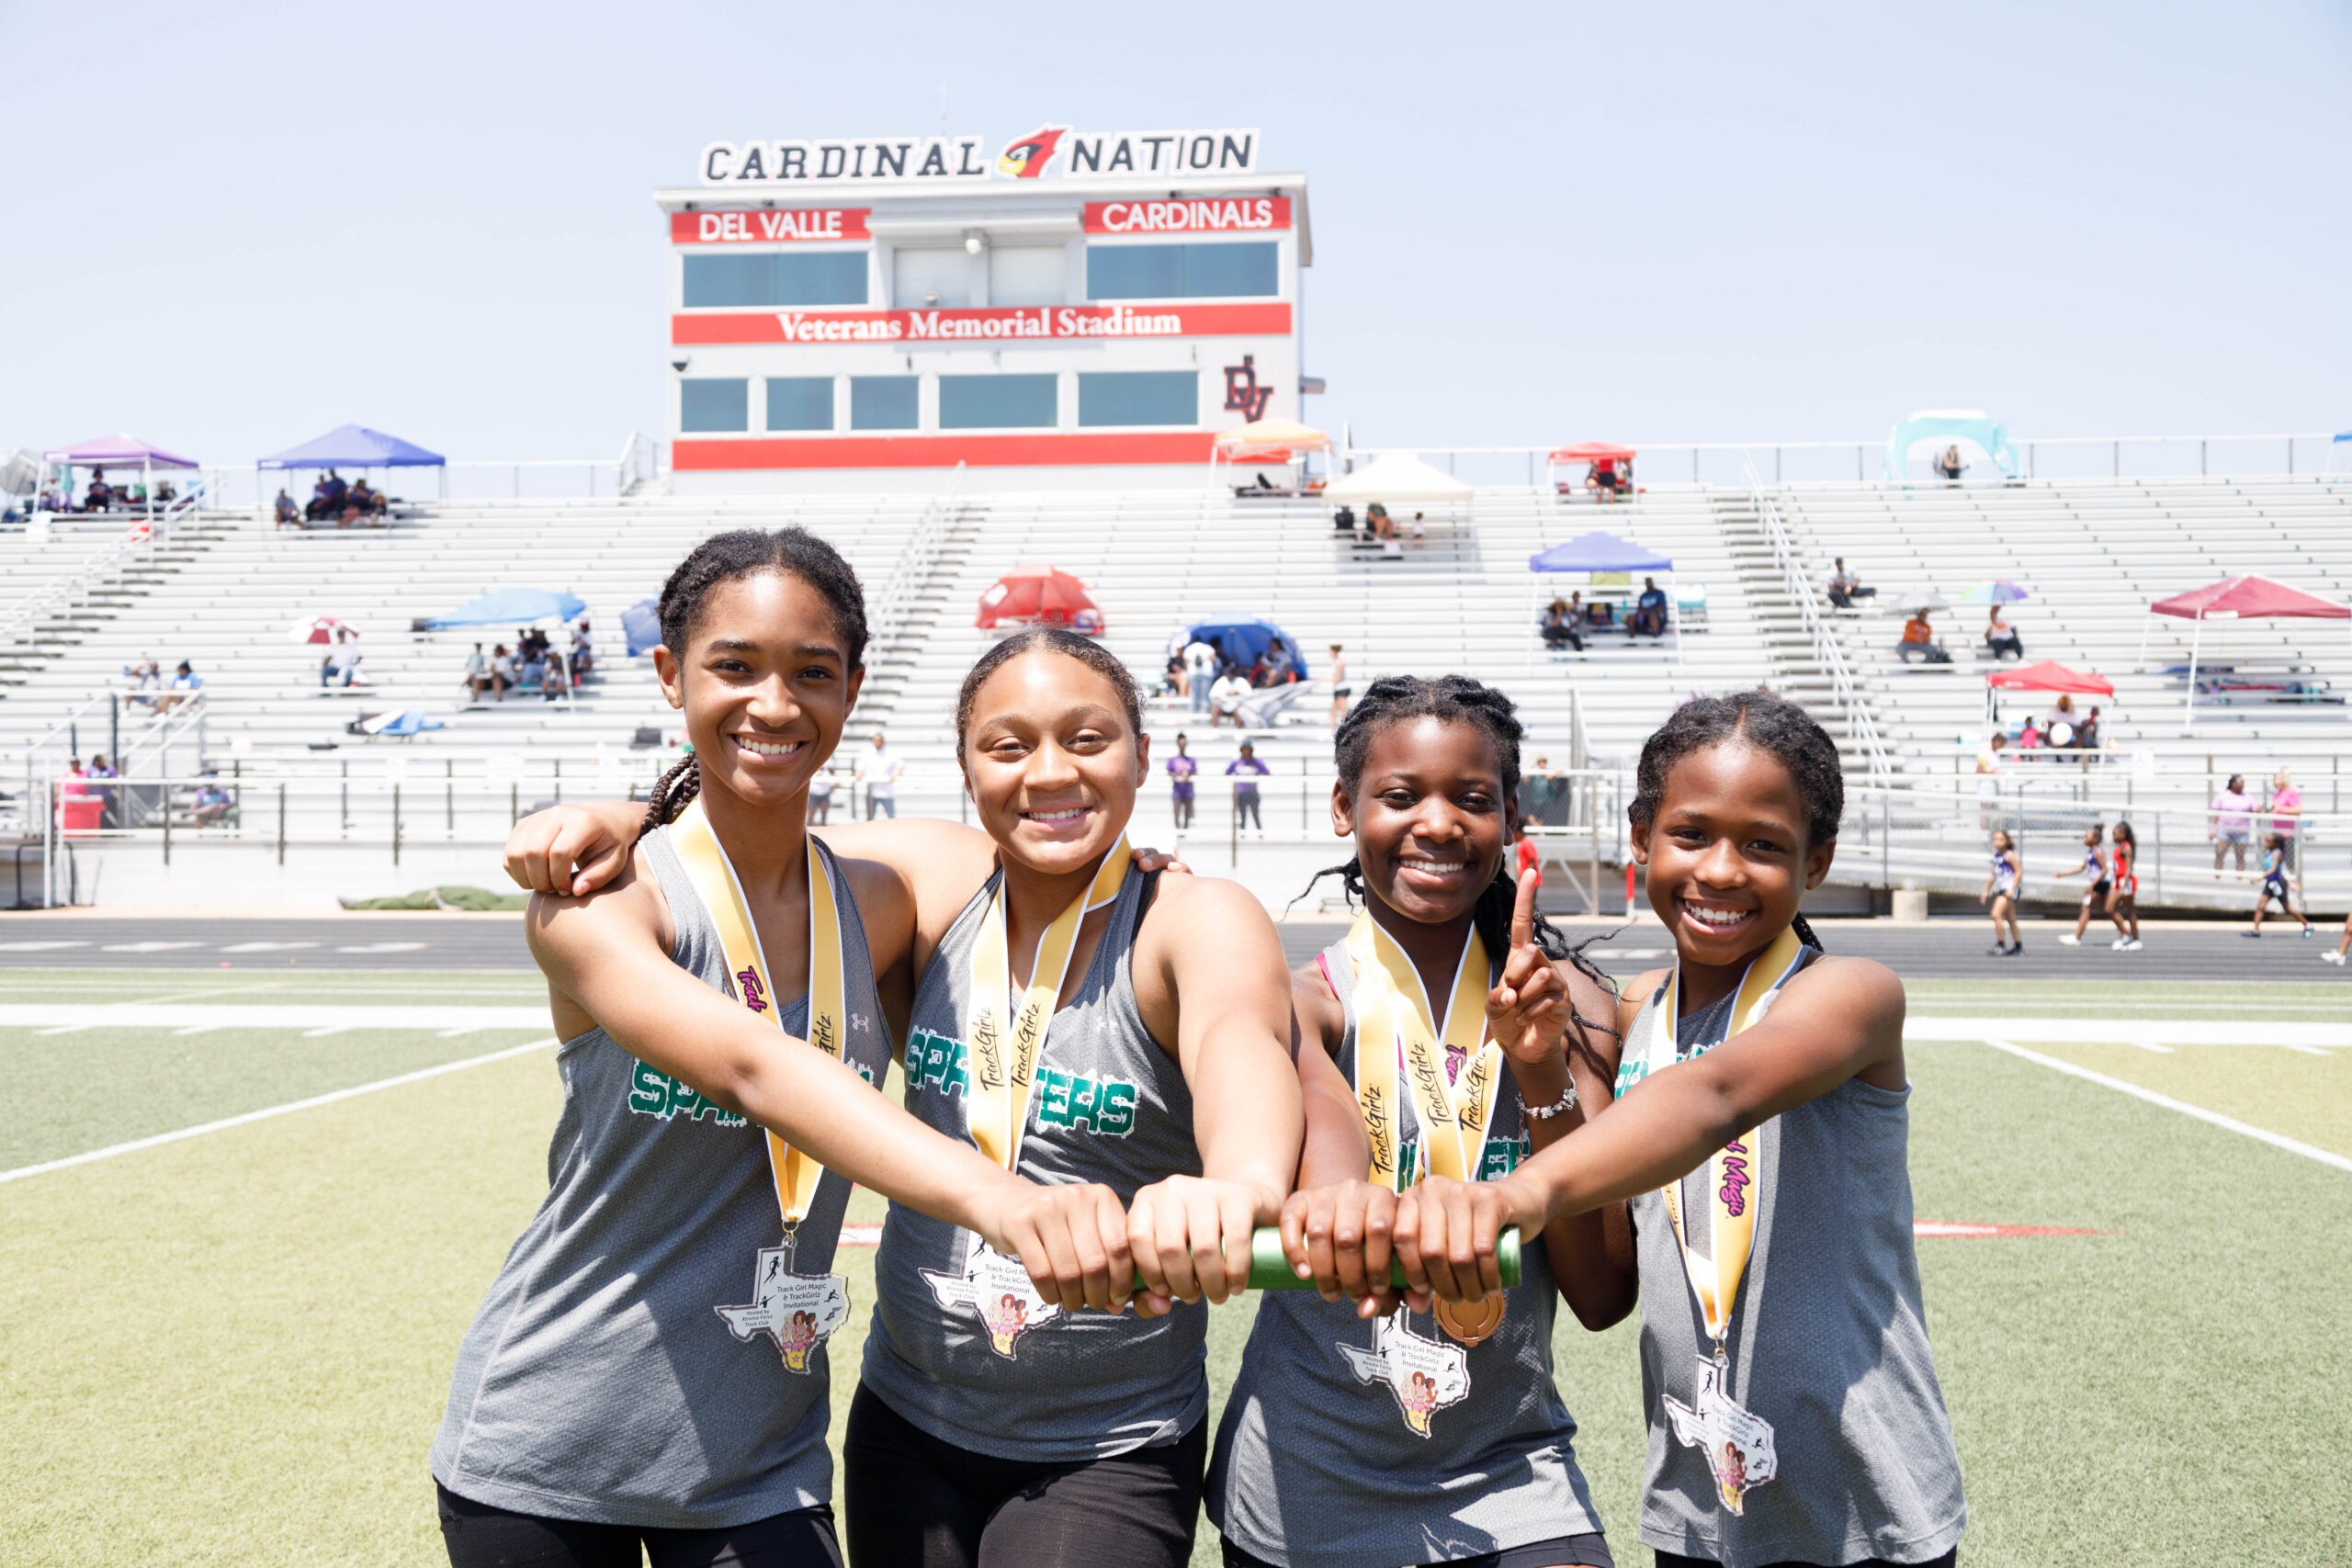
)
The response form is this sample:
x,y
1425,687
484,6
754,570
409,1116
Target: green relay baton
x,y
1270,1269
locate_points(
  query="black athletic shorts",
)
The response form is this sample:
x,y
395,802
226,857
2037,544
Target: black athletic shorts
x,y
1676,1560
479,1535
916,1501
1561,1552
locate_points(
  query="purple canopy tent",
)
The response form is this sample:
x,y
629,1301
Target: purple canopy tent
x,y
112,452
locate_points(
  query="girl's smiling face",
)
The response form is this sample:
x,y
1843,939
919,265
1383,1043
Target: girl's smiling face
x,y
764,683
1430,817
1051,761
1728,857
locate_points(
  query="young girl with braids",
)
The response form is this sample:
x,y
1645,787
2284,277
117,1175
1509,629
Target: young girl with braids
x,y
648,1372
1759,1132
1462,1035
1078,1020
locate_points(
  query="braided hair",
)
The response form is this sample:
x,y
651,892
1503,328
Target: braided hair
x,y
724,557
1772,725
1452,699
1049,640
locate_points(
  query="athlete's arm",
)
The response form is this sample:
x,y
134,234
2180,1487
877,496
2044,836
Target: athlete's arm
x,y
1335,1225
1209,977
603,956
1840,1019
1336,1149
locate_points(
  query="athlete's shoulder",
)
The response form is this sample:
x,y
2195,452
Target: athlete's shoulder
x,y
1633,993
1861,987
630,907
1316,1006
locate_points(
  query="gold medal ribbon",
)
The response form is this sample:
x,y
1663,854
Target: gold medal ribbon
x,y
1004,1050
1395,1024
713,875
1735,1172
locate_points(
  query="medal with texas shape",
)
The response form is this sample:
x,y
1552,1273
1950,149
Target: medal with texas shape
x,y
1426,1375
1737,1442
798,1311
997,1288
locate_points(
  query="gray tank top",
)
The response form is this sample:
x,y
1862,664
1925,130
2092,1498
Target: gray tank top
x,y
600,1381
1828,1344
1109,1106
1316,1463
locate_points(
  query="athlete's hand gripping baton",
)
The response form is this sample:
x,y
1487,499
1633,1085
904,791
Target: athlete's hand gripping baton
x,y
1270,1268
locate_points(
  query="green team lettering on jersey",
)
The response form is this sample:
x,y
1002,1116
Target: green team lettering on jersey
x,y
933,1062
655,1093
1503,1155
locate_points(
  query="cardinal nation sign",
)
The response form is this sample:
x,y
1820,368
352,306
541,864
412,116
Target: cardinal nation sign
x,y
936,160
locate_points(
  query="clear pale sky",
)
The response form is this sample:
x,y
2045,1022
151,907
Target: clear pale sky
x,y
233,226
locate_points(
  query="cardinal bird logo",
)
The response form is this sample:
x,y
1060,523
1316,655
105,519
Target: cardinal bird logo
x,y
1027,158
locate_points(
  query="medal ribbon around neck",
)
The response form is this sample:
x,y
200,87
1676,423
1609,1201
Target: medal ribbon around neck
x,y
1735,1172
1394,1020
713,875
1006,1045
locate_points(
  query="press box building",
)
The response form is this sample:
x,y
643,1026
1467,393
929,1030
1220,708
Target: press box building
x,y
1074,308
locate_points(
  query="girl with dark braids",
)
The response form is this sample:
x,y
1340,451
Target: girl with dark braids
x,y
1759,1131
1458,1034
648,1374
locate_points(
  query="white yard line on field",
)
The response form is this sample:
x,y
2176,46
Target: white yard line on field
x,y
2143,1032
172,1014
263,1114
2232,1123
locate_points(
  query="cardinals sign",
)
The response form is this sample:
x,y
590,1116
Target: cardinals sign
x,y
1027,158
954,159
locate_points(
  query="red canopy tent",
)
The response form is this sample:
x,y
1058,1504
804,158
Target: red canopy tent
x,y
2244,598
1604,455
2051,676
1046,596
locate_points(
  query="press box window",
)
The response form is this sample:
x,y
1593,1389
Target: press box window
x,y
791,277
997,402
883,402
1138,397
710,404
1244,270
800,402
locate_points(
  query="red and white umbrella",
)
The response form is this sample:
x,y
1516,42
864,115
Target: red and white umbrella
x,y
320,629
1044,594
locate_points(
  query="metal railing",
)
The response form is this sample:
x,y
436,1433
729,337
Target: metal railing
x,y
893,614
1797,580
60,595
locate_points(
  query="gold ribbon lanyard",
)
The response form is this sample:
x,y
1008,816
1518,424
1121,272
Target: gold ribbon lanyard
x,y
1735,1173
713,875
1004,1050
1394,1023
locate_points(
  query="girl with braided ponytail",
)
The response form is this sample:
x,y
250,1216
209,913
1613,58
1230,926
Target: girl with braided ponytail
x,y
649,1371
1458,1034
1759,1132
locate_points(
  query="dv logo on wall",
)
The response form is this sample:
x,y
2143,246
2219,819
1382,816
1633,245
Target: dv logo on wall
x,y
1243,395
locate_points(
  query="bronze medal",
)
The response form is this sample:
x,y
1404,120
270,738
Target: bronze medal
x,y
1471,1322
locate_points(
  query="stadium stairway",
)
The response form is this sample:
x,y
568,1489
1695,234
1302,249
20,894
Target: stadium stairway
x,y
29,564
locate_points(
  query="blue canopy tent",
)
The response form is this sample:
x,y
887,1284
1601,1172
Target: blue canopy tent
x,y
356,446
509,607
1599,551
1970,429
642,625
1243,639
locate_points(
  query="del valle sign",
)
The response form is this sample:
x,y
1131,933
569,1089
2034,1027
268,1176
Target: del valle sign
x,y
939,159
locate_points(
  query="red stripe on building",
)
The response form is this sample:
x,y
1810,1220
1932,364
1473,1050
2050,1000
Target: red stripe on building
x,y
769,226
941,451
1034,324
1189,215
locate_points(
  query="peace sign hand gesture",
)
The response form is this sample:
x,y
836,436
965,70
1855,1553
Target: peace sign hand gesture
x,y
1527,1010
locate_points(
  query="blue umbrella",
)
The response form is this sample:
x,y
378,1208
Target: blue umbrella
x,y
1995,592
1599,551
509,607
1242,640
642,625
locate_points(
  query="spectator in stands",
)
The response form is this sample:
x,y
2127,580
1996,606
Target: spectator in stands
x,y
315,508
138,493
1558,625
534,658
1280,669
583,653
1200,674
1845,586
1988,780
1650,612
341,663
1375,517
102,769
2286,810
362,501
880,770
1173,680
2229,823
1344,521
1340,691
146,678
2001,638
1225,698
2087,737
2029,736
288,514
479,676
1418,527
51,500
557,682
820,795
1949,465
2060,724
186,685
100,495
1919,644
211,803
1526,857
1181,768
1247,770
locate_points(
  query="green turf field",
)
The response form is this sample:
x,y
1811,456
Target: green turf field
x,y
234,1349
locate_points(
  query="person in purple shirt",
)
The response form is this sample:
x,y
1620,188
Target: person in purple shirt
x,y
1247,770
1181,769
